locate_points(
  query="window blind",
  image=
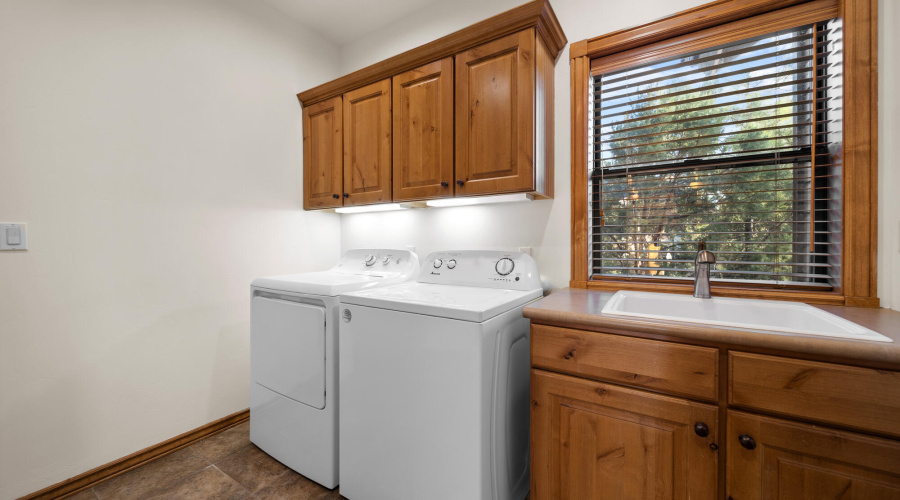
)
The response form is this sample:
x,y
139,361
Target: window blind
x,y
737,145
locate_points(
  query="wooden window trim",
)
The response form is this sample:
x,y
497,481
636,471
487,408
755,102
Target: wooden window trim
x,y
860,147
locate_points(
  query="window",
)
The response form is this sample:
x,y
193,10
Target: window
x,y
751,128
737,145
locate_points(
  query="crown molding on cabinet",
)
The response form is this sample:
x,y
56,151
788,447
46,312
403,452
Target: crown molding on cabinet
x,y
537,14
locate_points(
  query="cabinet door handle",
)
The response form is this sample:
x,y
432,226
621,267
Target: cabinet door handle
x,y
444,184
701,429
747,441
346,195
335,196
460,182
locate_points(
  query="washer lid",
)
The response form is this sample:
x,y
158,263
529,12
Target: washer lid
x,y
465,303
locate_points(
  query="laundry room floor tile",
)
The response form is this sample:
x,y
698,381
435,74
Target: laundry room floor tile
x,y
209,483
252,468
84,495
152,478
225,443
221,467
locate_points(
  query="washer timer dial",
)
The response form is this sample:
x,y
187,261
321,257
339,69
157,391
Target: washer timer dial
x,y
370,259
437,263
504,266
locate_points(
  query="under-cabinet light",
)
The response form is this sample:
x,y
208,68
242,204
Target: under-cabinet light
x,y
387,207
479,200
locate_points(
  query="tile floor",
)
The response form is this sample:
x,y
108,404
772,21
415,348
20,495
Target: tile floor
x,y
225,466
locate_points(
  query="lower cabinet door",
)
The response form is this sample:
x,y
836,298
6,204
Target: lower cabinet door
x,y
591,440
770,458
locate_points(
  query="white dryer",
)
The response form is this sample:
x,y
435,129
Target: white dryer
x,y
294,357
434,381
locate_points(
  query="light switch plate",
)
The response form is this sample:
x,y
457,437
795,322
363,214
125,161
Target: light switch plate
x,y
13,236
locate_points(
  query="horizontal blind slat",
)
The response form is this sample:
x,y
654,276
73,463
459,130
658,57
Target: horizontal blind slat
x,y
733,145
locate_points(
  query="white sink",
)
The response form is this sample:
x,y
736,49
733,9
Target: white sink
x,y
768,316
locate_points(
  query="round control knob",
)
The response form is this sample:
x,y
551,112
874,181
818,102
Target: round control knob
x,y
451,264
386,260
370,259
504,266
437,263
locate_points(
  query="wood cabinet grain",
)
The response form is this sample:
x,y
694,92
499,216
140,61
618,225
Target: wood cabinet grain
x,y
849,396
661,366
495,116
599,441
782,460
423,132
367,144
322,152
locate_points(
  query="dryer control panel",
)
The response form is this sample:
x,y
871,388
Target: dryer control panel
x,y
380,262
482,268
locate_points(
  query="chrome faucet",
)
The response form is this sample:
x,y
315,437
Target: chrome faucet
x,y
702,264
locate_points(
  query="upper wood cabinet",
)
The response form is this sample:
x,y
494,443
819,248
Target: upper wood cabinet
x,y
423,132
367,144
468,114
496,126
322,135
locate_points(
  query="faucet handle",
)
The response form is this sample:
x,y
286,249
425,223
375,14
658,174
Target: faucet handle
x,y
704,256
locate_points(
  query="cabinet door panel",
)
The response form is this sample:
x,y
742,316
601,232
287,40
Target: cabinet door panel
x,y
322,136
495,116
793,461
600,441
367,144
423,132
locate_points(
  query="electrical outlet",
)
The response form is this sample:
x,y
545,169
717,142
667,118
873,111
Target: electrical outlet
x,y
526,250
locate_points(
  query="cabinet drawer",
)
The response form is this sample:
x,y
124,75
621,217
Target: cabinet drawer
x,y
860,398
663,366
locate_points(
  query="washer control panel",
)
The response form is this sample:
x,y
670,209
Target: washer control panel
x,y
484,268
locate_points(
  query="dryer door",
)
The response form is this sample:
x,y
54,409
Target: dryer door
x,y
287,349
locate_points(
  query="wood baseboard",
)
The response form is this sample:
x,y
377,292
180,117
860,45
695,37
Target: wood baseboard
x,y
96,476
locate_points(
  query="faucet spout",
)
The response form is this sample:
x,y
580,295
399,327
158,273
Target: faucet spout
x,y
702,264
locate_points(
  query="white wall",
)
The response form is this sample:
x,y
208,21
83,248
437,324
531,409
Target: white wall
x,y
154,149
545,225
889,154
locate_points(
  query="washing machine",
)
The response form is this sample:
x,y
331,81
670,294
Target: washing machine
x,y
294,357
435,381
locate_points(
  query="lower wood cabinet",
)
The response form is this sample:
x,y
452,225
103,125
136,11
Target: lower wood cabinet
x,y
615,417
776,459
598,441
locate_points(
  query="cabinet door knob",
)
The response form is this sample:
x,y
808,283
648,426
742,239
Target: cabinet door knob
x,y
701,429
335,196
460,182
747,441
346,195
444,184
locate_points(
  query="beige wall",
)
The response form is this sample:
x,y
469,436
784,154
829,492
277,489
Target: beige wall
x,y
545,225
889,154
154,149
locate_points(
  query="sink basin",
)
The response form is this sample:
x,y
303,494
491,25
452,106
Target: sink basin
x,y
767,316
